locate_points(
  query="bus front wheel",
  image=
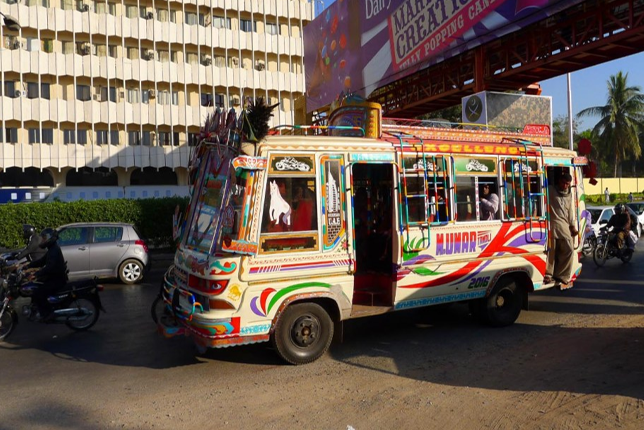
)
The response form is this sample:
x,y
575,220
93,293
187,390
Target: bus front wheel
x,y
503,305
303,333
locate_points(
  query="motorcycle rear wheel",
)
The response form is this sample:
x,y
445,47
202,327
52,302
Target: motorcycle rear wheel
x,y
600,255
90,314
7,323
627,254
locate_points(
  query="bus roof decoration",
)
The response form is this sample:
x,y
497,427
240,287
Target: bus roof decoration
x,y
254,120
354,116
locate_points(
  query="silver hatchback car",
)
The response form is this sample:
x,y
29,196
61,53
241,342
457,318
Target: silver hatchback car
x,y
104,249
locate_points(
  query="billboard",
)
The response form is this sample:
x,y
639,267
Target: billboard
x,y
529,114
359,45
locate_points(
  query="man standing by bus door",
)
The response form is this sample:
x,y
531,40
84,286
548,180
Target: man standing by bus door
x,y
562,231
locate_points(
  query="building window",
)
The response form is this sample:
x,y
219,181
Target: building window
x,y
99,6
204,20
219,100
147,138
163,98
133,138
111,7
68,47
34,135
145,96
175,98
175,139
45,90
32,90
131,11
102,137
81,137
69,136
162,15
48,135
111,50
10,89
173,16
220,61
82,93
47,45
133,53
174,56
206,99
164,56
272,28
221,22
247,25
67,4
11,135
164,138
193,58
147,54
233,62
132,95
143,12
112,94
191,18
193,139
101,50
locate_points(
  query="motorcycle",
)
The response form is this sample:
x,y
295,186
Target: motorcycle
x,y
607,248
589,245
77,304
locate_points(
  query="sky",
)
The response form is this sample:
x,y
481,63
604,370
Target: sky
x,y
589,86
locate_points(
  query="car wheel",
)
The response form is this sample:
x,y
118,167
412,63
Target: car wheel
x,y
303,333
503,305
131,272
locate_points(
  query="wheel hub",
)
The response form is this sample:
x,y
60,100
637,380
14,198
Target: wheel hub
x,y
305,331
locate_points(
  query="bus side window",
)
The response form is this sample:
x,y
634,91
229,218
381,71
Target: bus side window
x,y
523,192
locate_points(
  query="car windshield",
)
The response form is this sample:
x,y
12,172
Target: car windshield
x,y
594,215
638,208
208,198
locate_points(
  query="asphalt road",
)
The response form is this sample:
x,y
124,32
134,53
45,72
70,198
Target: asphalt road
x,y
122,374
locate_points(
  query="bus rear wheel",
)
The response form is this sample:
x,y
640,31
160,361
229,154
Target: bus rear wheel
x,y
303,333
503,305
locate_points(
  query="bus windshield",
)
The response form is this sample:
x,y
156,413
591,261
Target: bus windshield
x,y
208,198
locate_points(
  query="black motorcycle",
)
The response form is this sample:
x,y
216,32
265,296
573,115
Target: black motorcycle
x,y
589,245
607,248
77,304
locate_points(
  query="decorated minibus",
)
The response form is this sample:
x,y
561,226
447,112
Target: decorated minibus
x,y
287,237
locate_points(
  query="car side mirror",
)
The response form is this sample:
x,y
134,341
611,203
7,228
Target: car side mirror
x,y
603,222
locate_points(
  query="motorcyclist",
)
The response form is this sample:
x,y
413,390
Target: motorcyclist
x,y
33,251
52,273
621,223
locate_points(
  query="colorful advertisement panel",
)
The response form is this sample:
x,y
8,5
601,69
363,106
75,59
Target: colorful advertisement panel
x,y
359,45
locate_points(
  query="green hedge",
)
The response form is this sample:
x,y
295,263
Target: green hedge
x,y
599,199
151,217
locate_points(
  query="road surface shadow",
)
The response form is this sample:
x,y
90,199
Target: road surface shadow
x,y
451,348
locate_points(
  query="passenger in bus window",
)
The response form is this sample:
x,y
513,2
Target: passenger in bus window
x,y
302,209
562,230
489,203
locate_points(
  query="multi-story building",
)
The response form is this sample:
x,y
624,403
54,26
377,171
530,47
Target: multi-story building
x,y
113,92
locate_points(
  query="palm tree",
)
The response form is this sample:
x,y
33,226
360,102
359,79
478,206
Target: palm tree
x,y
621,120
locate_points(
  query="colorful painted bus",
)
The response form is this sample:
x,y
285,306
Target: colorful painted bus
x,y
286,239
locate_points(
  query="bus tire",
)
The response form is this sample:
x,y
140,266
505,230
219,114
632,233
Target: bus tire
x,y
503,305
303,333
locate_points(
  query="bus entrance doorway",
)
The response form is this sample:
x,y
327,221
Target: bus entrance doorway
x,y
373,200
